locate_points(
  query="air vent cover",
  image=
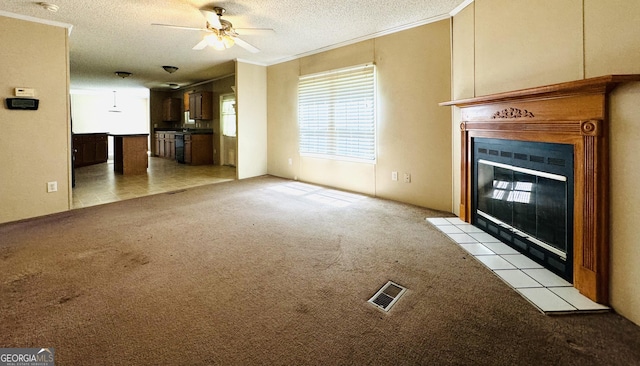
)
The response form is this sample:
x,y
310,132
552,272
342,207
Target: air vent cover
x,y
387,296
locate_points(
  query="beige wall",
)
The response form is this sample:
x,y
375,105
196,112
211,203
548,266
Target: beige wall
x,y
251,117
529,35
612,37
414,136
557,42
625,215
282,109
34,145
463,54
463,84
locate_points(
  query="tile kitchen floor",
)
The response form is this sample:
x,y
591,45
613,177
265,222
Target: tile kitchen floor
x,y
542,288
98,184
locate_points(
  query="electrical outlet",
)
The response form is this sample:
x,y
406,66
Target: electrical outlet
x,y
407,177
52,187
290,161
394,176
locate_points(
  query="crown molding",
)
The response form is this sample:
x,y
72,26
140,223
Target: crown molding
x,y
363,38
250,62
7,14
461,7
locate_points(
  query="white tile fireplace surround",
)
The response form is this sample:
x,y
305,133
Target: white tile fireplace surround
x,y
575,114
546,291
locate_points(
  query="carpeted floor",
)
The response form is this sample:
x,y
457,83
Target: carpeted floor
x,y
267,271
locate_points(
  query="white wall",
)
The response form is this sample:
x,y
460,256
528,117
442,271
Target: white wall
x,y
91,112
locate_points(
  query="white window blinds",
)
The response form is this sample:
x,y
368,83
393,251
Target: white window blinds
x,y
336,114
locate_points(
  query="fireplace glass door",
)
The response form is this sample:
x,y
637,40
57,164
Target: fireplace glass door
x,y
527,201
523,195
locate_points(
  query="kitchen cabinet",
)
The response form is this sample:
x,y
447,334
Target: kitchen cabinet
x,y
198,149
201,105
171,109
156,145
198,146
165,145
89,148
170,145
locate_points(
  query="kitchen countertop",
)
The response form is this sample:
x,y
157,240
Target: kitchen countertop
x,y
201,131
128,134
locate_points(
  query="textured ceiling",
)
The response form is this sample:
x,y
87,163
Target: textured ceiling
x,y
111,35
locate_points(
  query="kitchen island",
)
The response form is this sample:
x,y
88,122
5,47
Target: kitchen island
x,y
130,153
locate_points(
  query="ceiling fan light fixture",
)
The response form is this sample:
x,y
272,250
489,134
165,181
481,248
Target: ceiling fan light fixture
x,y
123,74
170,69
228,41
219,42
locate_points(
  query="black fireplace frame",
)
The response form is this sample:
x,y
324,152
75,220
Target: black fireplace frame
x,y
551,158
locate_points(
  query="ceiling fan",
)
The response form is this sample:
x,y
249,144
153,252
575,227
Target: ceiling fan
x,y
223,34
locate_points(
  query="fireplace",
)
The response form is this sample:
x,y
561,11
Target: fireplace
x,y
522,194
563,122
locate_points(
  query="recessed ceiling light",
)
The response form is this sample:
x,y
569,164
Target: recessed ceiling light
x,y
49,6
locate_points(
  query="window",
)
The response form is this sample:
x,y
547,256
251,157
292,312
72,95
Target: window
x,y
336,114
228,114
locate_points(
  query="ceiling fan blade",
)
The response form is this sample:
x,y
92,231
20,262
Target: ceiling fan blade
x,y
212,18
245,45
202,44
253,31
180,27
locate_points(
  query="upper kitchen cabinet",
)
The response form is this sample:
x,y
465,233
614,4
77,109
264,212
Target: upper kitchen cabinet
x,y
201,105
171,109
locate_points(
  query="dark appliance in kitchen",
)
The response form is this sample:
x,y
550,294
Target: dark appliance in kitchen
x,y
179,145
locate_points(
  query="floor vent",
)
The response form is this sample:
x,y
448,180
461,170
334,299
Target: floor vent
x,y
387,296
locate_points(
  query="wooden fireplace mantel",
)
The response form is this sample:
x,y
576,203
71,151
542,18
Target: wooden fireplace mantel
x,y
574,113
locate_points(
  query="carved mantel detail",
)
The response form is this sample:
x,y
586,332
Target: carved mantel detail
x,y
512,112
572,113
591,127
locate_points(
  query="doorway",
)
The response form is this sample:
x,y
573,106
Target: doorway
x,y
228,126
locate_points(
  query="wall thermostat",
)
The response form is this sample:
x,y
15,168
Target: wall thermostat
x,y
22,103
24,92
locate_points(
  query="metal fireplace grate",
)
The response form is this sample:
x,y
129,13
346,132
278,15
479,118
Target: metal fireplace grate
x,y
387,296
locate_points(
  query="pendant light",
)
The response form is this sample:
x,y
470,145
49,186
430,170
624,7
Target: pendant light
x,y
115,107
